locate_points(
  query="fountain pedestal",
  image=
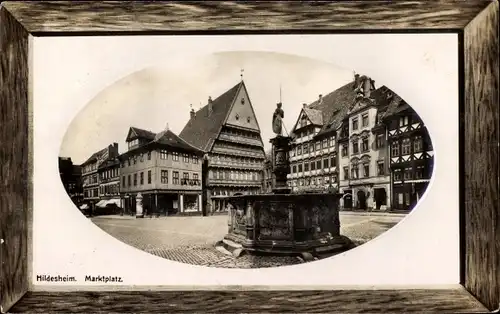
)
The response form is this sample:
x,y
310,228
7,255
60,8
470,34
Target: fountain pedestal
x,y
284,223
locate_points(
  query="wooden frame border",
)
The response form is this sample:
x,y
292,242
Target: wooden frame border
x,y
475,21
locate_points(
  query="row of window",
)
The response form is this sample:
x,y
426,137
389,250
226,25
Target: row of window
x,y
365,145
315,165
236,148
312,147
315,181
187,158
364,121
91,193
235,160
138,178
234,175
110,173
404,148
133,143
109,189
365,167
90,167
93,179
233,132
398,175
409,173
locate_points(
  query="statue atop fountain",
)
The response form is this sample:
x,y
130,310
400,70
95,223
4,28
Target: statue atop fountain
x,y
282,222
278,116
281,147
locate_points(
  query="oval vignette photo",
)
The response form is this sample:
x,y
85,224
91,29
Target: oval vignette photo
x,y
246,159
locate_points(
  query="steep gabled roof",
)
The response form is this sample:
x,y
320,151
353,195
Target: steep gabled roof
x,y
314,115
140,133
95,156
168,138
171,139
396,105
202,130
334,106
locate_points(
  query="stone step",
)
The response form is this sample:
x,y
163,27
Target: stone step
x,y
223,250
233,245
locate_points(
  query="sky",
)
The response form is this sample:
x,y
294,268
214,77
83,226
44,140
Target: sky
x,y
161,96
114,82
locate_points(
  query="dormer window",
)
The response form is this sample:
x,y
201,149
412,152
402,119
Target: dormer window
x,y
237,116
242,101
249,119
133,143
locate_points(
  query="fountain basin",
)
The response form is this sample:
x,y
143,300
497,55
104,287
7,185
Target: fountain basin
x,y
285,224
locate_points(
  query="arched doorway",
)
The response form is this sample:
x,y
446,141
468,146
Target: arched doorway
x,y
361,199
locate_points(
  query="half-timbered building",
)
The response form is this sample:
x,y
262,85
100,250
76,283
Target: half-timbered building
x,y
411,153
313,155
90,175
227,130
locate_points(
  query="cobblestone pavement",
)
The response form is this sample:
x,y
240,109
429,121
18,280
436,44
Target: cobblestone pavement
x,y
192,240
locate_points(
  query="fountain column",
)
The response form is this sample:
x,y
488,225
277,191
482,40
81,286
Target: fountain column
x,y
281,163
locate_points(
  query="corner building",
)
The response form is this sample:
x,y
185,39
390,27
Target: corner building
x,y
164,170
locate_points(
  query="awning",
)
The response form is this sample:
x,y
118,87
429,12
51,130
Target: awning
x,y
101,203
114,201
84,206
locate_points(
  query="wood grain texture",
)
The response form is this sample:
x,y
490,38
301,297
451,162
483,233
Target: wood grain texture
x,y
354,301
133,16
13,160
94,18
482,159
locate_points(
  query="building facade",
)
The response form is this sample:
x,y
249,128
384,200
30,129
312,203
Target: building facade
x,y
314,150
71,177
365,178
90,175
109,183
226,129
411,153
164,170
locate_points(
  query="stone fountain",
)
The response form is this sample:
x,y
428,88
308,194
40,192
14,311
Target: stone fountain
x,y
283,222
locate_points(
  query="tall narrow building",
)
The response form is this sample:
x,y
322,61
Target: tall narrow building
x,y
226,129
365,177
411,152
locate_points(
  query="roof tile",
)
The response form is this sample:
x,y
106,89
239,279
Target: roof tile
x,y
202,130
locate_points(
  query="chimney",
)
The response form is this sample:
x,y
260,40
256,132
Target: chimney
x,y
210,108
367,87
114,150
304,105
192,113
320,98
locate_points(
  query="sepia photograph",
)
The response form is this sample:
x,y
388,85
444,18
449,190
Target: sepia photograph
x,y
249,157
205,167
